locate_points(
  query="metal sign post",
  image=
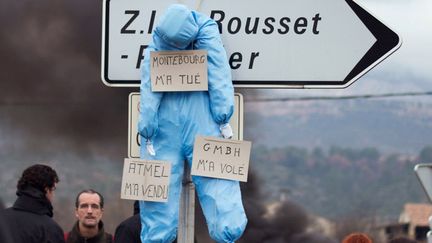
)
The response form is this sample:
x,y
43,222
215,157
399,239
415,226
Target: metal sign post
x,y
186,225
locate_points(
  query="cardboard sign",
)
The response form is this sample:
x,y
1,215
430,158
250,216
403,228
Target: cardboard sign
x,y
221,158
146,180
178,70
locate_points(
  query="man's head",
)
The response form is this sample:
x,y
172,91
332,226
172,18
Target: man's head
x,y
40,177
89,208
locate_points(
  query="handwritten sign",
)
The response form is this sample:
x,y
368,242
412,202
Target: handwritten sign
x,y
146,180
221,158
178,70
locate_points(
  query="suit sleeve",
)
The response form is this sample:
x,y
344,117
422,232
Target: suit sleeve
x,y
149,101
221,90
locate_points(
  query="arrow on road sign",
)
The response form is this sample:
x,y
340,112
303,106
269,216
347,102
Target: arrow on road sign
x,y
285,44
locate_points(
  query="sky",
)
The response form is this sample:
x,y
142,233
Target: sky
x,y
411,20
408,69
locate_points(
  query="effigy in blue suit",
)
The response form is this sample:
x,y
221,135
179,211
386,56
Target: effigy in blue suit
x,y
169,122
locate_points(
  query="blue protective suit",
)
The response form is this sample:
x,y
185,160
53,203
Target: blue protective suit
x,y
171,120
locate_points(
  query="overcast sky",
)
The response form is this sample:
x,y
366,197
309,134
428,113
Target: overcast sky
x,y
408,69
412,21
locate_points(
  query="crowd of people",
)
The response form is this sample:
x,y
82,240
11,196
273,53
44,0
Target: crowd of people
x,y
29,220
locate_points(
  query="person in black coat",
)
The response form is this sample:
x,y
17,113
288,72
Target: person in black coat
x,y
4,230
29,220
129,230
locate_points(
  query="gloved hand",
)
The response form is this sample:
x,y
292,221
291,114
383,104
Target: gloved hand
x,y
226,130
150,149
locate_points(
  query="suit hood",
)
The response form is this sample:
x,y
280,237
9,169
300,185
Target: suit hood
x,y
176,29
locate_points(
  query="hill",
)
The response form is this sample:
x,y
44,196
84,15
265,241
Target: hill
x,y
340,181
391,126
341,157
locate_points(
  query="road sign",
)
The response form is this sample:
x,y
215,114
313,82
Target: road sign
x,y
285,44
424,174
134,141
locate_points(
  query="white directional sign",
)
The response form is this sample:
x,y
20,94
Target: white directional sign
x,y
424,174
134,141
280,43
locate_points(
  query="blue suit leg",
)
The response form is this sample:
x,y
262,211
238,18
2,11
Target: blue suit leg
x,y
220,199
159,219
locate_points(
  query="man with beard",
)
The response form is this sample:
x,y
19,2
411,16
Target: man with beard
x,y
89,228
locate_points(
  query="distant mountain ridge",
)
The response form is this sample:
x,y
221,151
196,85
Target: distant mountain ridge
x,y
391,126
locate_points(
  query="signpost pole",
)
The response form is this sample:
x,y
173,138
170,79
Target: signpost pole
x,y
187,209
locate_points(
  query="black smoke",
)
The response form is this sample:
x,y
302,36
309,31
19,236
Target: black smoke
x,y
50,85
54,107
284,222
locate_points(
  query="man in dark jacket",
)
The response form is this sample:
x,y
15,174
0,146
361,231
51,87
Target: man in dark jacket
x,y
129,231
4,229
29,220
89,227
